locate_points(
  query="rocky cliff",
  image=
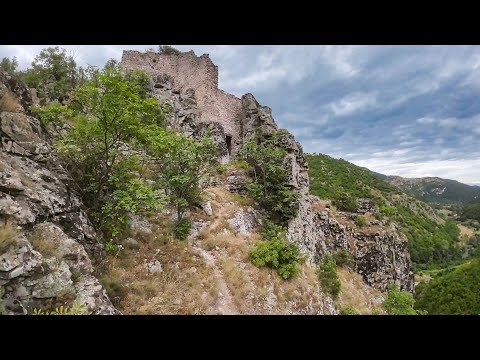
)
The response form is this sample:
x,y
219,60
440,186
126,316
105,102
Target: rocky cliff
x,y
47,244
189,84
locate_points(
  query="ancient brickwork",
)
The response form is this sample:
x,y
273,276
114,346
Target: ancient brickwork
x,y
188,71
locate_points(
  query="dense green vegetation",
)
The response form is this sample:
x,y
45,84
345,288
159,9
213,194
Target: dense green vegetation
x,y
327,274
333,179
454,291
471,211
269,185
54,74
9,66
276,252
400,302
430,243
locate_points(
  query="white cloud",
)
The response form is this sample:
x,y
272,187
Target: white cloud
x,y
352,103
463,170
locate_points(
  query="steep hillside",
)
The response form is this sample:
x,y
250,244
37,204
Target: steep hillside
x,y
431,239
436,190
455,291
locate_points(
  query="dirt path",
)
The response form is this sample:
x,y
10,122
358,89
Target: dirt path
x,y
224,304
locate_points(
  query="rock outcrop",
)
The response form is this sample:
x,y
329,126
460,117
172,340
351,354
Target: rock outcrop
x,y
189,84
380,253
49,256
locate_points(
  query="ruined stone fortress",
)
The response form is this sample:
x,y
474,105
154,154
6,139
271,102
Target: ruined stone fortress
x,y
197,77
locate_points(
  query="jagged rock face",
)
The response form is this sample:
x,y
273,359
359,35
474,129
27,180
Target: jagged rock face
x,y
36,194
381,257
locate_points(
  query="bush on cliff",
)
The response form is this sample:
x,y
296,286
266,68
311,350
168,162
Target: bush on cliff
x,y
269,179
327,274
277,253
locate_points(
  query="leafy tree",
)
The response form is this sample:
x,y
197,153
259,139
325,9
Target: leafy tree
x,y
346,203
327,274
269,185
399,302
183,167
54,74
54,115
9,66
112,123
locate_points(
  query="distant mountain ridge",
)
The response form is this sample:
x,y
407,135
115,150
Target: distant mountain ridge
x,y
434,189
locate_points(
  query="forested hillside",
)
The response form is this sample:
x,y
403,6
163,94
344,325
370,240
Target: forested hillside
x,y
432,240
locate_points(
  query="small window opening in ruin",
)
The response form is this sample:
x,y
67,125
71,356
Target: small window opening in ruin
x,y
154,60
228,139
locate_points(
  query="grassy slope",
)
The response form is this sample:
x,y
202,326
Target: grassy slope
x,y
431,239
454,292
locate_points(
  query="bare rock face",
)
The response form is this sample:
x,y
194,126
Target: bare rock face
x,y
244,221
55,244
381,256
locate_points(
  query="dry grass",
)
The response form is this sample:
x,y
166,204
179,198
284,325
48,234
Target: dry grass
x,y
9,103
358,295
237,280
44,246
186,285
8,235
466,231
240,200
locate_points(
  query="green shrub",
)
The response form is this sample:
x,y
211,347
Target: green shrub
x,y
112,249
344,259
76,309
348,311
54,74
272,231
269,184
221,169
360,221
327,274
277,254
53,114
346,203
399,302
239,164
182,228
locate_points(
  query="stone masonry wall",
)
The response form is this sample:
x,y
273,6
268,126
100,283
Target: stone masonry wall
x,y
187,71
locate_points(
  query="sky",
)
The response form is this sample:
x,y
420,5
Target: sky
x,y
411,111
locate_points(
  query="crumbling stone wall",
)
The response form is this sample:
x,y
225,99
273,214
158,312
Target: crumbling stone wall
x,y
188,71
